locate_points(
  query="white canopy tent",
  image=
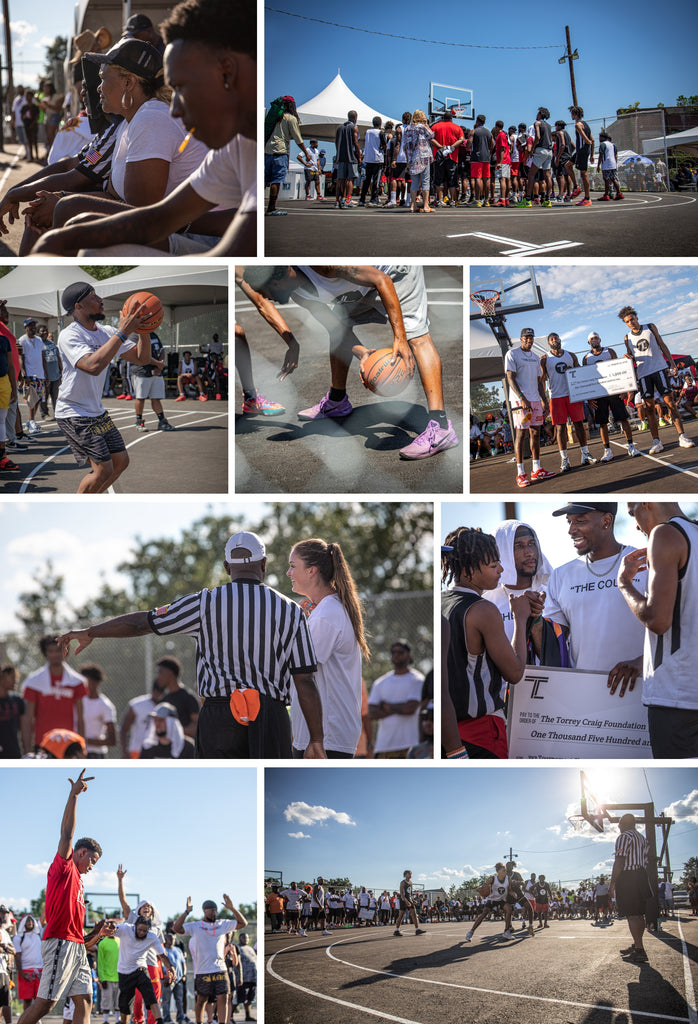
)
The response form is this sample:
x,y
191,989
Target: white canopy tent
x,y
486,361
687,140
184,291
322,115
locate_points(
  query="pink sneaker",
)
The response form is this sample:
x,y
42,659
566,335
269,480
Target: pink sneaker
x,y
326,409
432,440
181,398
259,405
203,398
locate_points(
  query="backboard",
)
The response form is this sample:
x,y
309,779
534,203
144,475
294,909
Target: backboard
x,y
445,98
517,287
591,809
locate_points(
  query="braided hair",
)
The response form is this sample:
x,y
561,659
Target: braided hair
x,y
333,569
471,549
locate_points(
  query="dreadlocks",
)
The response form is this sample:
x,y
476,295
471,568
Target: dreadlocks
x,y
471,549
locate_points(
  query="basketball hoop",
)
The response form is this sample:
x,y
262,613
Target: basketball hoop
x,y
577,821
485,300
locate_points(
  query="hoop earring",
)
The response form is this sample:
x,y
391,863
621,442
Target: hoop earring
x,y
226,83
123,101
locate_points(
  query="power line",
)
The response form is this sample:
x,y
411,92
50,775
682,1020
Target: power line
x,y
412,39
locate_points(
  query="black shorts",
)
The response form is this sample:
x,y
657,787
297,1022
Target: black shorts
x,y
129,983
292,915
93,438
445,172
657,381
632,892
211,985
219,735
5,991
397,173
318,913
673,731
246,992
617,406
602,902
581,159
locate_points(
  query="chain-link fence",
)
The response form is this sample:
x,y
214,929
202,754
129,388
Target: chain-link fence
x,y
129,665
638,171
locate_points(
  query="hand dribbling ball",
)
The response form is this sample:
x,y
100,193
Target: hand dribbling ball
x,y
153,312
379,376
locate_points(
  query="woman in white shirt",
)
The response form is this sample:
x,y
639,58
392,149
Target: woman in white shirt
x,y
319,572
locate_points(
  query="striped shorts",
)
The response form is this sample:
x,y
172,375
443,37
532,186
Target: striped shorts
x,y
66,971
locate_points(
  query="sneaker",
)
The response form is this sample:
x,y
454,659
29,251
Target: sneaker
x,y
203,398
619,196
638,956
31,427
275,213
303,932
541,474
325,931
469,937
608,455
546,925
391,203
218,397
120,398
584,202
663,422
576,192
15,446
589,460
432,440
259,405
397,932
164,425
523,203
657,447
567,199
501,202
522,480
565,466
326,409
507,934
478,203
628,951
686,442
361,202
140,425
604,199
420,931
7,463
546,202
644,426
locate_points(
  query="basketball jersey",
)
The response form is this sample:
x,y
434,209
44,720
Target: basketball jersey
x,y
401,158
590,358
481,145
188,367
541,893
344,143
546,136
579,141
648,356
330,290
500,890
373,153
474,681
557,367
669,664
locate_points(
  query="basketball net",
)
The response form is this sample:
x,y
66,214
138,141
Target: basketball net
x,y
577,821
486,300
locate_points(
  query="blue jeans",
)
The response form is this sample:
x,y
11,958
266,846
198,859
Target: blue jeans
x,y
167,992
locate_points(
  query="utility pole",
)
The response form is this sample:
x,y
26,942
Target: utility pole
x,y
10,83
570,56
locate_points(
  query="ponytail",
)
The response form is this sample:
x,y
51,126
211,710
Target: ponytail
x,y
332,566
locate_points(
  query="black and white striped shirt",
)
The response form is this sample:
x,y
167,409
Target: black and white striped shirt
x,y
247,635
634,848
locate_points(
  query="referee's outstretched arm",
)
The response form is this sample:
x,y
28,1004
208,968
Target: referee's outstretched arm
x,y
311,706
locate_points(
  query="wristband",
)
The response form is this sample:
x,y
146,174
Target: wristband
x,y
457,755
120,334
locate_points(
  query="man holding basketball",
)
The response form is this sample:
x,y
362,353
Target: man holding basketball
x,y
500,892
342,298
87,350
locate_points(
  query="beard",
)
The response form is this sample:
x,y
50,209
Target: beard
x,y
98,316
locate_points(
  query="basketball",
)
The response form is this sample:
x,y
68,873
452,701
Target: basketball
x,y
153,310
379,376
485,889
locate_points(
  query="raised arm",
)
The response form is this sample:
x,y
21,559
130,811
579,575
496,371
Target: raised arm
x,y
65,844
228,904
178,925
133,624
125,905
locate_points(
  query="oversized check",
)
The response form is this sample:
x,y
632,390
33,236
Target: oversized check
x,y
563,712
610,377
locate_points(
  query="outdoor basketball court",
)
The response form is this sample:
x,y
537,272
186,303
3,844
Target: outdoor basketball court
x,y
191,459
656,224
358,454
569,973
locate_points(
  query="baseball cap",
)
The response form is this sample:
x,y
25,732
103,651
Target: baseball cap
x,y
528,332
400,643
593,334
132,55
75,293
29,320
209,905
250,542
578,508
163,710
136,23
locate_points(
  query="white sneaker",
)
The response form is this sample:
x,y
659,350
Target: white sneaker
x,y
302,931
468,937
588,460
507,934
326,932
657,447
686,442
607,456
632,450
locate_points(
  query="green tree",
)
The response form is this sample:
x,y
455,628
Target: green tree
x,y
54,59
102,273
37,904
690,869
42,611
485,397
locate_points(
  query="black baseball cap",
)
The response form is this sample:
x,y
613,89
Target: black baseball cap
x,y
578,508
132,55
137,23
75,293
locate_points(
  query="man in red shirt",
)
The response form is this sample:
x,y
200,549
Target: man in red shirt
x,y
66,970
53,696
449,136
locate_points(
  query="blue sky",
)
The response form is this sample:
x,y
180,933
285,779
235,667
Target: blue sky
x,y
579,299
34,26
448,825
179,831
624,56
551,531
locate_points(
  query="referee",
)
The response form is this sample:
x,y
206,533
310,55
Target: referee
x,y
252,645
630,882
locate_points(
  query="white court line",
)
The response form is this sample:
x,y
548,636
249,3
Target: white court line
x,y
44,462
13,164
687,979
660,462
448,984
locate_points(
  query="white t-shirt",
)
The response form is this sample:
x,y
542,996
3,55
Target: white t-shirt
x,y
32,350
141,707
338,679
227,174
603,630
29,946
97,712
80,394
526,366
208,940
152,134
397,732
17,104
293,898
132,951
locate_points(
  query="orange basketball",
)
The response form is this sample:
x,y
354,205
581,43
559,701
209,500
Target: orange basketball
x,y
153,310
380,376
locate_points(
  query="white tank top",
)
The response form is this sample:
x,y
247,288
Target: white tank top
x,y
188,367
645,347
330,290
669,663
557,367
500,889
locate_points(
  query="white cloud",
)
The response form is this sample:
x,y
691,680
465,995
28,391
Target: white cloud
x,y
16,903
557,829
685,809
298,835
37,869
603,867
303,814
451,876
21,30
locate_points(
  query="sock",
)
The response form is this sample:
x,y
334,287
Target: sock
x,y
161,417
393,193
607,451
535,465
440,416
564,457
585,449
337,394
249,396
519,468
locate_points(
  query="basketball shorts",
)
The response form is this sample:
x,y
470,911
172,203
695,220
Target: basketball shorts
x,y
658,381
479,170
616,405
542,158
212,984
66,971
148,387
561,409
412,294
93,438
581,158
138,980
524,418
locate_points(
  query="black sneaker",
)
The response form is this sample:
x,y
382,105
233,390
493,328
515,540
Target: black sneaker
x,y
164,425
420,931
397,932
140,425
15,446
628,951
638,956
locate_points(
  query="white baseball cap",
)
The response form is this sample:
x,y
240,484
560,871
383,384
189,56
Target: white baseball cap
x,y
594,334
248,541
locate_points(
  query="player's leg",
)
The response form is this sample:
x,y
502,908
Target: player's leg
x,y
82,1008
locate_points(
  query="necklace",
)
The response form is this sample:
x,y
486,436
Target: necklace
x,y
616,560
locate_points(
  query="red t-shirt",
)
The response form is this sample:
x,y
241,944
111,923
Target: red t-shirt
x,y
445,134
65,901
55,704
503,152
13,345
